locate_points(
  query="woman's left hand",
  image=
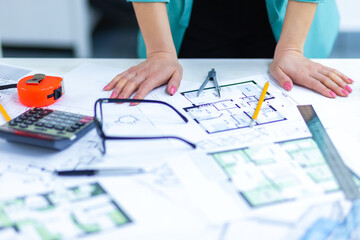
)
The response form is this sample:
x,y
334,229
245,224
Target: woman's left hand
x,y
291,67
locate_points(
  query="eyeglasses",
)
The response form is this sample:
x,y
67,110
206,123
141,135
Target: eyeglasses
x,y
99,122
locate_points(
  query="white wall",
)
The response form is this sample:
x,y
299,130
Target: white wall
x,y
47,23
350,15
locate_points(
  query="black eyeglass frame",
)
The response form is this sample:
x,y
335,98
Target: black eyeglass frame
x,y
104,137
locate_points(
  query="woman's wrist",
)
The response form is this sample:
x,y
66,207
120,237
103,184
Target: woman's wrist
x,y
164,51
298,19
288,48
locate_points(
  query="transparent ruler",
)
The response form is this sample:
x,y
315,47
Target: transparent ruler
x,y
340,171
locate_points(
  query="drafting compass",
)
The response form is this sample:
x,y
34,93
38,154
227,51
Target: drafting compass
x,y
212,77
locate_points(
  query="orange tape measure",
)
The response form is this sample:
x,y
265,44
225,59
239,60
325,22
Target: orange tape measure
x,y
40,90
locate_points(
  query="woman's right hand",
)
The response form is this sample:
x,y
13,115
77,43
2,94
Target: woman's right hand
x,y
158,69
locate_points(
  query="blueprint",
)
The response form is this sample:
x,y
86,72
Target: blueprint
x,y
218,124
234,110
249,170
265,175
324,220
62,214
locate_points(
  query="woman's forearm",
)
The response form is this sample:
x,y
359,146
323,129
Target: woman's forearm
x,y
155,28
297,23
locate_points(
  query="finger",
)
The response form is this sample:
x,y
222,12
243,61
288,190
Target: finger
x,y
144,89
174,82
112,84
327,82
129,73
119,87
282,78
319,87
122,83
130,87
341,75
335,78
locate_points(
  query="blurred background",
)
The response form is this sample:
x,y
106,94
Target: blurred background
x,y
108,29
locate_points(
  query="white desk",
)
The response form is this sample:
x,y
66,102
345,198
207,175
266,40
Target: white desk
x,y
340,116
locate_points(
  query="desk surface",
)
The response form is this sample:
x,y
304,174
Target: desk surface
x,y
340,116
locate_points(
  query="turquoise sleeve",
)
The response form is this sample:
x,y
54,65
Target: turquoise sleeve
x,y
179,15
323,31
148,1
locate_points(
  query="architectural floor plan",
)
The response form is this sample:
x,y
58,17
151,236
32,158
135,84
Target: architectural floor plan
x,y
228,113
68,213
277,172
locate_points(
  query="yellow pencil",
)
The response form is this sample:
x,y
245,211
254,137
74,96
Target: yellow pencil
x,y
258,107
4,113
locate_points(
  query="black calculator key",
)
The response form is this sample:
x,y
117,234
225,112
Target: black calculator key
x,y
33,119
46,112
18,120
23,125
12,123
37,116
28,122
37,109
75,127
32,112
70,129
48,125
80,124
39,124
60,128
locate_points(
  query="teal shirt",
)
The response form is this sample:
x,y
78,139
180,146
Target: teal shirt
x,y
319,42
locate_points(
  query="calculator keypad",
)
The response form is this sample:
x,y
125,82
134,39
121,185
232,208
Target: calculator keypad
x,y
51,122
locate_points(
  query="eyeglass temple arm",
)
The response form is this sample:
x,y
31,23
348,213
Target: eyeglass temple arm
x,y
114,100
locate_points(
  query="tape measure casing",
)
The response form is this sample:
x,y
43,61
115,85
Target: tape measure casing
x,y
44,93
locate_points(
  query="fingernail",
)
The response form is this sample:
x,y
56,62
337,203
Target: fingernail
x,y
332,94
287,86
105,87
172,90
351,80
120,97
344,92
133,104
348,88
113,95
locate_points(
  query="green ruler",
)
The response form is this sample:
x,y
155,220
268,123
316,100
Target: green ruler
x,y
342,174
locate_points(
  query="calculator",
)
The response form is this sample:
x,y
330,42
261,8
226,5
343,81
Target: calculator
x,y
47,128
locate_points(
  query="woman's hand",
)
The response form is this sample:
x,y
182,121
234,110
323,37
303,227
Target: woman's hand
x,y
158,69
289,66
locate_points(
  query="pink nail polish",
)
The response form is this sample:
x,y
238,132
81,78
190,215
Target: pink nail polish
x,y
120,97
332,94
134,104
287,86
172,90
113,94
348,88
105,87
344,92
351,80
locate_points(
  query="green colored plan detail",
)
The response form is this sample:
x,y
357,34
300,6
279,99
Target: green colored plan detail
x,y
69,213
278,172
